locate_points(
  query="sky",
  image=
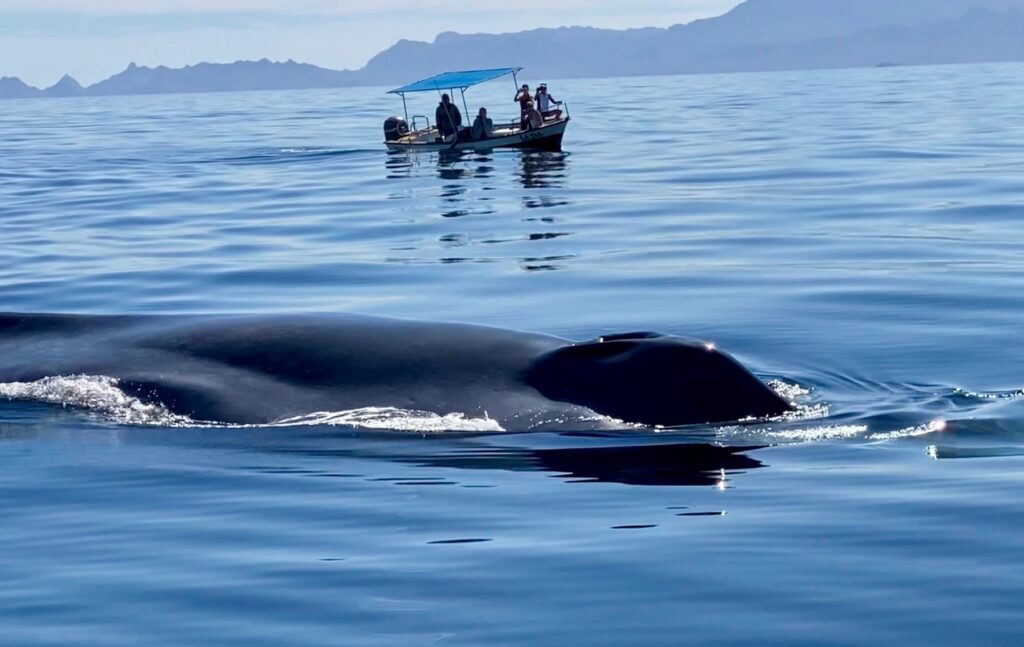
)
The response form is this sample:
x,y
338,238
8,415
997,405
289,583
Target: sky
x,y
41,40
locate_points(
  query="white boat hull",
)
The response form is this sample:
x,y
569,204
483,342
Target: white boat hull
x,y
547,137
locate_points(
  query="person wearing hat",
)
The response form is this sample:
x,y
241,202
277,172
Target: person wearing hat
x,y
523,97
545,101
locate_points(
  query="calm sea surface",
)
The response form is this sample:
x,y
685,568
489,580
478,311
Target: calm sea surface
x,y
856,234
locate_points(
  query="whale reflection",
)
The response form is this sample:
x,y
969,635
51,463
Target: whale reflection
x,y
351,455
683,464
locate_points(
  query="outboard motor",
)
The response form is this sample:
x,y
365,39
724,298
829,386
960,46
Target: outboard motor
x,y
395,128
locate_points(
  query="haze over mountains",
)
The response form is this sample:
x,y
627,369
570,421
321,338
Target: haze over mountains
x,y
757,35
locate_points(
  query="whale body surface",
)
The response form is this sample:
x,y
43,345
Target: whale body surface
x,y
264,369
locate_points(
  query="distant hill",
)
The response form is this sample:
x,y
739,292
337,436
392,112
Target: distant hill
x,y
203,77
219,77
66,87
757,35
14,88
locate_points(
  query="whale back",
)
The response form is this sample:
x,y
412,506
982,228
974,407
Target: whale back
x,y
14,325
258,369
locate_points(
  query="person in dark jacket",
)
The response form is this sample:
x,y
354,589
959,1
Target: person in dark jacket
x,y
447,117
523,97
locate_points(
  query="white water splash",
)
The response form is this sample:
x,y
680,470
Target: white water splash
x,y
787,391
793,393
101,395
795,435
818,434
932,427
393,419
94,393
991,395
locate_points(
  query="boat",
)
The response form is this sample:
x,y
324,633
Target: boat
x,y
418,134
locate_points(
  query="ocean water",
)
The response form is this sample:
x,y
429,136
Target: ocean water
x,y
856,237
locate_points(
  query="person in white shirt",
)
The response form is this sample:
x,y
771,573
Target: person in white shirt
x,y
545,102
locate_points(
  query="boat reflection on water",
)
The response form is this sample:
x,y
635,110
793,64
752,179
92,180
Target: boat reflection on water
x,y
398,166
534,169
683,464
543,169
463,165
483,198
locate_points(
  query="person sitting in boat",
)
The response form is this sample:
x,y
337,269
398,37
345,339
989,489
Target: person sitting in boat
x,y
483,127
545,102
523,97
447,117
532,118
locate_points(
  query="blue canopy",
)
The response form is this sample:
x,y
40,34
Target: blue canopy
x,y
451,80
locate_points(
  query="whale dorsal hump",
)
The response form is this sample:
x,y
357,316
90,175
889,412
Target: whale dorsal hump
x,y
654,380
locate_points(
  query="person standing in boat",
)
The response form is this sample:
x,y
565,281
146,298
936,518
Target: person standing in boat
x,y
523,97
447,117
545,102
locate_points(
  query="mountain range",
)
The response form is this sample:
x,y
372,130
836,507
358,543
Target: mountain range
x,y
757,35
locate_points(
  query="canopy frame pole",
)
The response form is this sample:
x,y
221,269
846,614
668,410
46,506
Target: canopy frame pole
x,y
405,107
515,81
464,106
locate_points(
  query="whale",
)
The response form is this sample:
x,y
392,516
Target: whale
x,y
262,369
